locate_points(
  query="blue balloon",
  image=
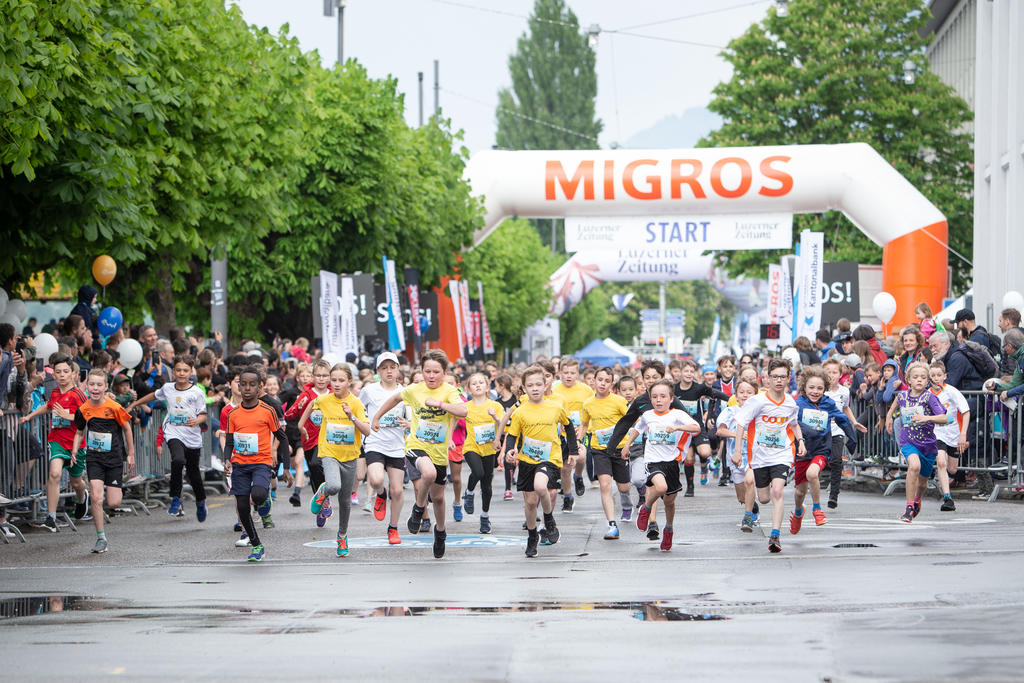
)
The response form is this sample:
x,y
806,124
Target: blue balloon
x,y
109,321
424,324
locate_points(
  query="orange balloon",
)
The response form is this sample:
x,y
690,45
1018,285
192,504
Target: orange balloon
x,y
104,269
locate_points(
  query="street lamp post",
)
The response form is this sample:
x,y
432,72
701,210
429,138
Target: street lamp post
x,y
329,6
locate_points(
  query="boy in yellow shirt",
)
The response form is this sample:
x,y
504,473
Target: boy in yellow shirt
x,y
574,393
599,415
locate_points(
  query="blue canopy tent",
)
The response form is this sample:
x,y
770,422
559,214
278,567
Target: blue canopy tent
x,y
599,353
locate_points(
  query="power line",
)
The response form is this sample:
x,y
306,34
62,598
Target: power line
x,y
498,11
668,40
691,16
522,116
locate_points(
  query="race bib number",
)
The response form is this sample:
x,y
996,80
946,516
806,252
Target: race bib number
x,y
574,417
341,435
390,419
100,443
908,414
660,435
603,436
57,422
770,437
690,406
536,449
316,417
815,419
177,416
950,413
484,434
431,432
247,444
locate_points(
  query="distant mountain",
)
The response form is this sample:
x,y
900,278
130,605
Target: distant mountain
x,y
677,131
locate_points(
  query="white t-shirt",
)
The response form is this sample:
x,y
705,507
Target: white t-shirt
x,y
956,405
181,407
769,426
662,446
727,419
841,396
390,440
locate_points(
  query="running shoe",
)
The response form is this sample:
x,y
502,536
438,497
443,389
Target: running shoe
x,y
175,507
82,508
457,512
415,518
101,545
393,537
948,505
774,544
50,524
795,522
917,509
485,525
551,535
355,498
295,500
439,537
627,514
580,486
380,507
268,522
238,527
568,503
531,545
264,510
342,546
467,501
755,516
747,525
425,526
612,533
703,477
201,511
666,540
652,531
368,506
714,465
724,481
508,495
643,517
820,518
257,553
833,503
320,499
908,514
273,494
689,490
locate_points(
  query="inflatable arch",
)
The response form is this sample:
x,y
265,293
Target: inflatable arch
x,y
698,186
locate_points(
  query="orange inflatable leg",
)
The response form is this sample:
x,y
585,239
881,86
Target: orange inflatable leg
x,y
449,336
915,268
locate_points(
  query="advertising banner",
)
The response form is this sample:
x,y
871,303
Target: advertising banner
x,y
330,323
453,290
719,232
488,342
347,318
812,247
396,334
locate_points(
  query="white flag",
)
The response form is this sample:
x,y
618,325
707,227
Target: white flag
x,y
347,315
329,322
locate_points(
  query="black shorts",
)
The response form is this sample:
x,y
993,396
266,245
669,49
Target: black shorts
x,y
714,441
386,460
524,480
610,462
245,476
441,470
294,442
110,473
763,475
669,470
950,451
700,439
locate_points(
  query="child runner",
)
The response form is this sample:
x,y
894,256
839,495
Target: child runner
x,y
690,394
248,436
62,406
667,432
626,388
455,446
341,433
108,447
840,395
507,399
385,449
311,437
434,406
951,438
478,449
288,397
600,413
279,446
186,410
236,400
727,430
920,410
769,422
817,412
532,437
575,393
726,383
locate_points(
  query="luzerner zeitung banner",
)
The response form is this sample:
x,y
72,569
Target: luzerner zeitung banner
x,y
698,232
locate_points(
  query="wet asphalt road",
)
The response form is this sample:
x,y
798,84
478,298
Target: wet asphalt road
x,y
938,600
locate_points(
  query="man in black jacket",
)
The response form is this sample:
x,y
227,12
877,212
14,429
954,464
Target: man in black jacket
x,y
960,373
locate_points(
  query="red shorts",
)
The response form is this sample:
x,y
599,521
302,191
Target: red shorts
x,y
800,471
455,455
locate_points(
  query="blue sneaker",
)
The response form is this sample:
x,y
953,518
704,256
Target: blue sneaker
x,y
257,553
201,511
273,494
264,510
319,497
612,534
175,507
468,501
457,512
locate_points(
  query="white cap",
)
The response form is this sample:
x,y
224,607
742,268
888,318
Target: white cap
x,y
387,355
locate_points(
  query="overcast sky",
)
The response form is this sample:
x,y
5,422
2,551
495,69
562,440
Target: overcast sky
x,y
640,80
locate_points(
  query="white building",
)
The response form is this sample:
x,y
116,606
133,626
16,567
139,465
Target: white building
x,y
979,51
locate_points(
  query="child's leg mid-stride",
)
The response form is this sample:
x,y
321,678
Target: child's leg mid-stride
x,y
807,478
919,470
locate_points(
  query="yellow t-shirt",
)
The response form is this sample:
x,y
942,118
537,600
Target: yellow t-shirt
x,y
481,428
734,402
574,399
431,428
339,437
538,427
603,414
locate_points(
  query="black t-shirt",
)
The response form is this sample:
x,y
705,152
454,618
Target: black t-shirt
x,y
693,400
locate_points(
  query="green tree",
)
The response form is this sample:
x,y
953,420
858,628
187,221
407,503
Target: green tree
x,y
514,267
832,72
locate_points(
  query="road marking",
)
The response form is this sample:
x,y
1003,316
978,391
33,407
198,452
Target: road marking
x,y
453,541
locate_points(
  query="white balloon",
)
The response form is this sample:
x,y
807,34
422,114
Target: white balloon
x,y
13,320
18,308
3,300
1013,300
130,352
332,358
46,346
884,306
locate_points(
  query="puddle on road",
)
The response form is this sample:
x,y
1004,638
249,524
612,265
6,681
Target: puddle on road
x,y
644,611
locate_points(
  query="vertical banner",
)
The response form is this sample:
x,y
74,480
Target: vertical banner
x,y
774,302
488,341
329,322
785,304
412,285
453,289
715,331
467,319
396,333
812,248
474,314
347,315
